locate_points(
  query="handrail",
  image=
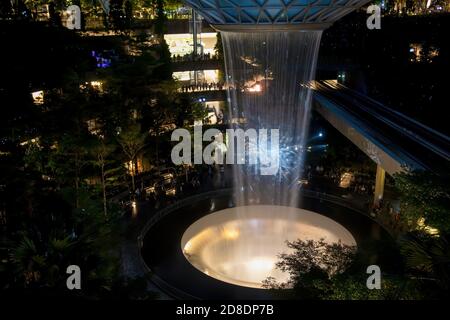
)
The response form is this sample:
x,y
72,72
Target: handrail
x,y
179,294
415,131
154,278
181,203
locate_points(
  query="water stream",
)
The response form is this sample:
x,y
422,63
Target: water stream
x,y
267,75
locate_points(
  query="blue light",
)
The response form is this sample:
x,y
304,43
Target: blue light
x,y
101,62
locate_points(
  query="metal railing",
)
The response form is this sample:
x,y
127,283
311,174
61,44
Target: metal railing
x,y
154,278
158,216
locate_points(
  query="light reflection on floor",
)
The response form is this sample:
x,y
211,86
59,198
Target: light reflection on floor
x,y
240,245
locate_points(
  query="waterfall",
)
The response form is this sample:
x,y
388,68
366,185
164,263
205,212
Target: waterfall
x,y
267,74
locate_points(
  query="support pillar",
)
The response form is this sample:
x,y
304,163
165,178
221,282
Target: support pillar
x,y
379,184
195,42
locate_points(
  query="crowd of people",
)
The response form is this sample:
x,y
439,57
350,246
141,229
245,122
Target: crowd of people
x,y
192,180
189,57
204,86
186,182
361,183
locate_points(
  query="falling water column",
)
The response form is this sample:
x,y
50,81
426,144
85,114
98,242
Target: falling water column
x,y
267,77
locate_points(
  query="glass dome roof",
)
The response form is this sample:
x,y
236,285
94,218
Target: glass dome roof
x,y
274,12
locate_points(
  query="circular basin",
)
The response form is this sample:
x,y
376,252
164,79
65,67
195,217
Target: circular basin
x,y
241,245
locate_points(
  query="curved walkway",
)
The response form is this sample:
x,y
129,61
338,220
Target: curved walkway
x,y
132,264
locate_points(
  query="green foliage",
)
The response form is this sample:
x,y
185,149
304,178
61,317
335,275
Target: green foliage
x,y
331,258
110,171
311,258
37,257
164,70
52,213
350,287
116,14
132,140
187,111
128,14
161,19
424,195
5,9
428,256
327,271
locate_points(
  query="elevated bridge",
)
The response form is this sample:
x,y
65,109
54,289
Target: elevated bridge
x,y
391,139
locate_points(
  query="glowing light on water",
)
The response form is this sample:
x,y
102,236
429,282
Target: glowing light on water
x,y
240,245
231,234
268,82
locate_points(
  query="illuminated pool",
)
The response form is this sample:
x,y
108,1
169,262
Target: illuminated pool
x,y
207,248
240,245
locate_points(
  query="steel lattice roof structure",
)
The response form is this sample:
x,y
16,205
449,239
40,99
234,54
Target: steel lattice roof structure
x,y
290,14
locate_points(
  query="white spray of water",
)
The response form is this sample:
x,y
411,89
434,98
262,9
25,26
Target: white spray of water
x,y
267,75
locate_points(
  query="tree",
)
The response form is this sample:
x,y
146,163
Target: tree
x,y
313,259
128,14
424,195
164,70
67,161
56,236
353,287
5,9
116,14
428,256
54,16
330,271
102,152
132,142
187,111
53,217
161,19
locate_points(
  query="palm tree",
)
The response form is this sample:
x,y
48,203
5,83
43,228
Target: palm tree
x,y
39,264
27,261
430,255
